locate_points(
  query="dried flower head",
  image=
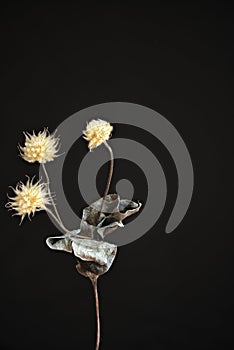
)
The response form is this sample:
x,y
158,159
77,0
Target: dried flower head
x,y
29,198
97,131
40,148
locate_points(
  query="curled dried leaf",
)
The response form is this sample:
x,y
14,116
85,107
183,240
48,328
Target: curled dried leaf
x,y
114,210
94,257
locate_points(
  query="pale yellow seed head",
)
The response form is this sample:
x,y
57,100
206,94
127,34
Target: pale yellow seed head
x,y
29,198
40,148
97,131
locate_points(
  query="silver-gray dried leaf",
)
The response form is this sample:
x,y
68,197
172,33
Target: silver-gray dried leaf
x,y
94,257
96,224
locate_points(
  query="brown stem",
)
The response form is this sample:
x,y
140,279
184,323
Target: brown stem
x,y
109,175
94,283
50,195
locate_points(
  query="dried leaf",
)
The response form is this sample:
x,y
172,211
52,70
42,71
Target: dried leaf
x,y
95,224
95,256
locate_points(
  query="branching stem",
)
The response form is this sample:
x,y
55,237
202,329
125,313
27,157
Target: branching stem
x,y
56,219
56,216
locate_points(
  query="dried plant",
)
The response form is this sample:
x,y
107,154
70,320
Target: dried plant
x,y
94,255
29,198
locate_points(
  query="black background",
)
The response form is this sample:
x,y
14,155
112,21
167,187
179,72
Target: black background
x,y
164,291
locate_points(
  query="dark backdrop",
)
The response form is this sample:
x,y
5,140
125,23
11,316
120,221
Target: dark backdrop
x,y
164,291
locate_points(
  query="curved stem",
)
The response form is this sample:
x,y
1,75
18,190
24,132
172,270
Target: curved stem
x,y
49,193
57,220
94,283
109,175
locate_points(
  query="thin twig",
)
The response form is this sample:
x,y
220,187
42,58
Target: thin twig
x,y
56,219
50,195
94,283
109,175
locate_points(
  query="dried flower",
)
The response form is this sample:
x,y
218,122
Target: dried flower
x,y
40,148
97,132
94,255
29,198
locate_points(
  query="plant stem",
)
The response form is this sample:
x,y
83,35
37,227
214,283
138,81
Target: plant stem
x,y
94,283
109,175
49,193
57,220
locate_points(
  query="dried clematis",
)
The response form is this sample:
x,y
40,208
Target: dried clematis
x,y
100,218
94,255
97,132
41,148
29,198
